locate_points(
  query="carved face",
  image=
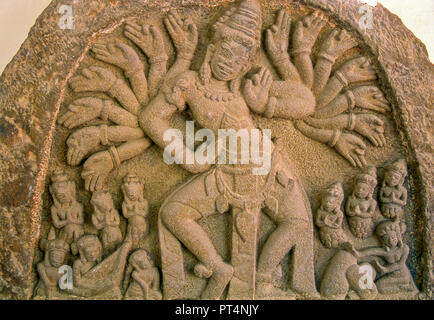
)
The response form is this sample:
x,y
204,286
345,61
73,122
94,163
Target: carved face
x,y
228,60
133,190
390,239
392,178
103,202
362,190
64,191
331,200
57,257
140,260
92,251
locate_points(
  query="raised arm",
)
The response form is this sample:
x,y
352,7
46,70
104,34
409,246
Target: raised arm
x,y
279,99
103,80
337,42
277,47
354,70
185,37
305,35
149,39
124,57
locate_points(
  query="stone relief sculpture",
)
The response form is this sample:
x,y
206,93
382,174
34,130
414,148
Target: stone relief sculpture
x,y
329,217
135,207
67,212
123,105
393,195
106,219
360,206
56,254
97,278
385,264
142,278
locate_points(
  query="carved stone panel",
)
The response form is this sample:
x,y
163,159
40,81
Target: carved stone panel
x,y
108,191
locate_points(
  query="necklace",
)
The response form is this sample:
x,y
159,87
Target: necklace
x,y
212,95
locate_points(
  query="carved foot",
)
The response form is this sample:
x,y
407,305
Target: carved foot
x,y
220,278
202,271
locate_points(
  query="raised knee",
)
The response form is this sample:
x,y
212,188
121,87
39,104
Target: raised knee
x,y
175,214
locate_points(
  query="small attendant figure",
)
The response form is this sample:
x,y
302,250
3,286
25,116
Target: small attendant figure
x,y
143,278
67,212
56,252
393,195
329,217
106,218
360,206
135,207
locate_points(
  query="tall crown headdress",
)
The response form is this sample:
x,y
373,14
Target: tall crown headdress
x,y
243,21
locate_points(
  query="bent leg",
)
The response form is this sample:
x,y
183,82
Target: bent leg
x,y
294,230
180,214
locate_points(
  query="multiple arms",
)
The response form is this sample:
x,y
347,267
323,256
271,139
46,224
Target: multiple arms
x,y
323,104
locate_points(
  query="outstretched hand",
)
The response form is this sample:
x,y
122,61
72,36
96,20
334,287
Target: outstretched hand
x,y
371,127
307,31
120,55
358,69
371,98
183,32
277,37
337,42
352,148
81,111
148,38
257,88
93,79
96,169
81,142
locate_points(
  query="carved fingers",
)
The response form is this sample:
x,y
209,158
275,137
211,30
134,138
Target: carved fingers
x,y
257,88
148,38
81,143
277,37
372,128
183,32
81,111
352,148
96,169
337,43
306,32
371,98
119,54
358,69
93,79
